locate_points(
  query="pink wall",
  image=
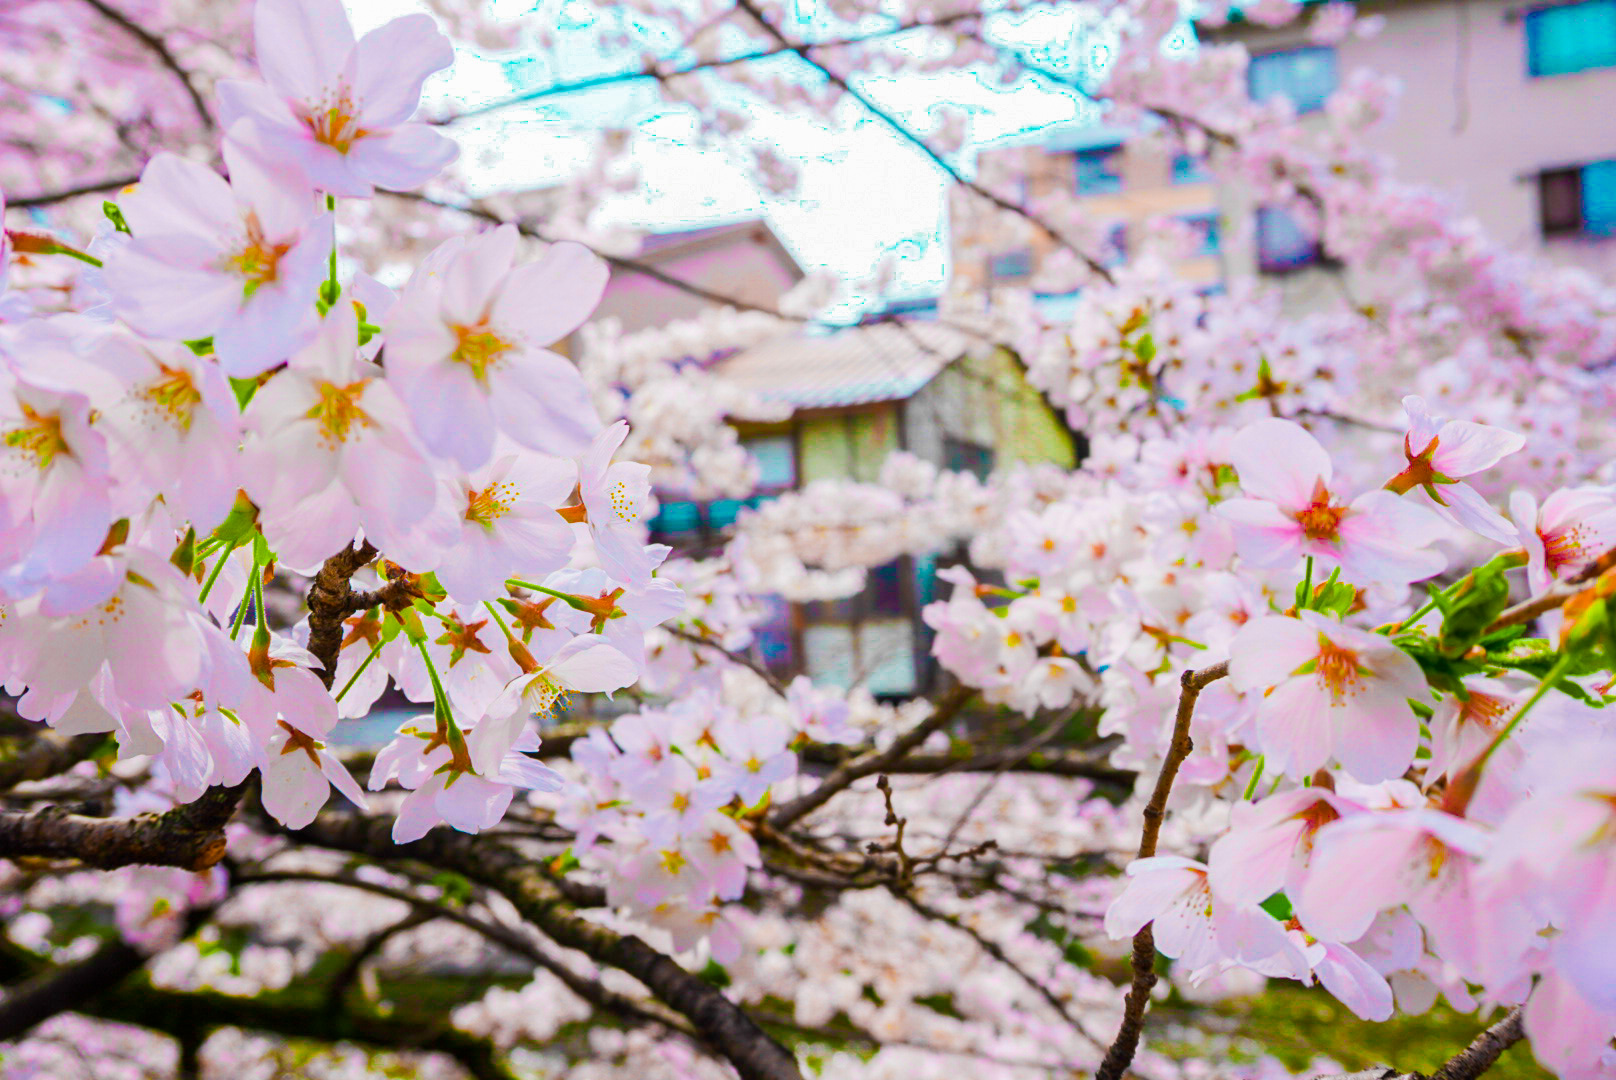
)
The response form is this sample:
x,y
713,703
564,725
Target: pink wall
x,y
1470,121
743,268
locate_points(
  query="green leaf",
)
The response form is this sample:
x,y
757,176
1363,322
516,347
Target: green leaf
x,y
1279,906
244,390
456,889
115,215
1472,603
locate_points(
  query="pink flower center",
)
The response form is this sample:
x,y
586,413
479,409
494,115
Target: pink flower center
x,y
1338,670
337,126
1562,547
491,503
39,439
1321,518
479,348
258,260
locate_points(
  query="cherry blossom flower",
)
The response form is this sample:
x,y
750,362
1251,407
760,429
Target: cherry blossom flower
x,y
340,108
1440,452
755,755
1328,690
465,347
614,498
172,430
1268,843
507,526
300,775
331,451
238,262
1573,527
1290,510
1192,925
1367,863
587,664
54,477
442,790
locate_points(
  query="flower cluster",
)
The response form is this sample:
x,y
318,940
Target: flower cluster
x,y
237,410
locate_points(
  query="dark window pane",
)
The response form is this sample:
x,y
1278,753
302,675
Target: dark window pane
x,y
1307,76
962,456
884,590
1559,196
1188,169
721,512
1012,264
1571,37
1097,172
676,519
1282,243
772,635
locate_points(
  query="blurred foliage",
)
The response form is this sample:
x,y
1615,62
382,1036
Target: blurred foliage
x,y
1297,1025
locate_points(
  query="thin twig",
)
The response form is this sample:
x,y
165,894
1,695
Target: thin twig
x,y
1120,1054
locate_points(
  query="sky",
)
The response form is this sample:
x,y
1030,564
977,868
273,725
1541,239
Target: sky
x,y
864,194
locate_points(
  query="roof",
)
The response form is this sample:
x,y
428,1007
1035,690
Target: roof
x,y
665,246
880,362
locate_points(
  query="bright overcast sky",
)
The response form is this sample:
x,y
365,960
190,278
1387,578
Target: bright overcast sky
x,y
865,193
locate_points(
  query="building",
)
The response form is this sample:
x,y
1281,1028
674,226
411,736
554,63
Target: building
x,y
1127,185
1501,108
745,261
856,396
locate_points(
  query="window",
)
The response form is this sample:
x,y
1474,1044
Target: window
x,y
1189,169
1571,37
1011,264
1307,76
1578,201
1205,227
1097,171
1282,244
776,457
771,634
1115,252
962,456
867,639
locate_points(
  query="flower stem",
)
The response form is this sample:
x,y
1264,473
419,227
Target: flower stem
x,y
493,609
207,586
567,598
360,670
246,599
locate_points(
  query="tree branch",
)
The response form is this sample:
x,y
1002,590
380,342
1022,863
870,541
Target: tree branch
x,y
843,776
190,836
48,198
540,900
162,52
1481,1054
47,754
1120,1054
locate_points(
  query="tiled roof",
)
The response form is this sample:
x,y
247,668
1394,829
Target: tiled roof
x,y
882,362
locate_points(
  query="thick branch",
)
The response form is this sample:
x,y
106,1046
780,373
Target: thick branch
x,y
189,836
840,778
65,988
719,1021
1120,1054
1480,1055
331,600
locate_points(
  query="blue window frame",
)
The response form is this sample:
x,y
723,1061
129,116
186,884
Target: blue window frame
x,y
1011,264
1189,169
1205,226
1307,76
776,457
1578,201
1097,171
1283,244
1568,38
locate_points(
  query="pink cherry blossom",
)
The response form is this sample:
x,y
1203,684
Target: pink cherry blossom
x,y
465,347
1291,510
1440,452
332,451
238,262
1328,690
587,664
1573,527
507,525
1268,843
340,108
